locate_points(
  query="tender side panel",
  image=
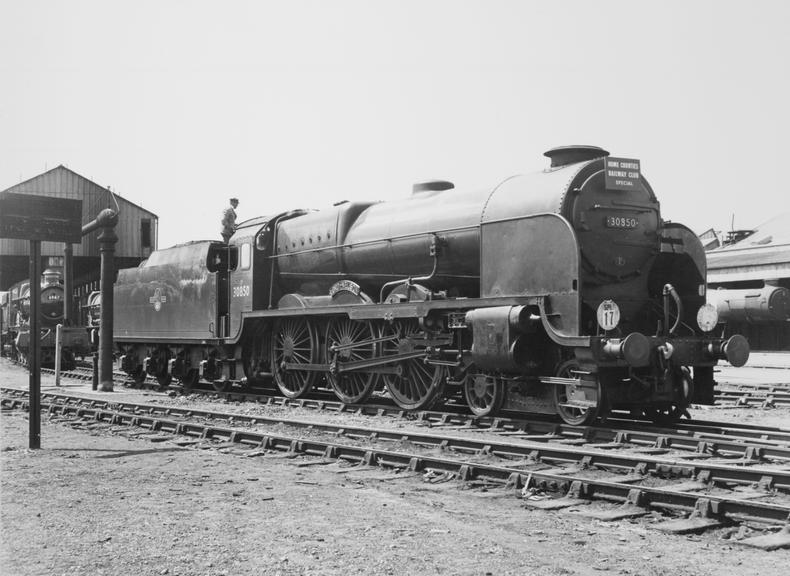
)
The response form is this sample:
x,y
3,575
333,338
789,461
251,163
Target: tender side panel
x,y
175,299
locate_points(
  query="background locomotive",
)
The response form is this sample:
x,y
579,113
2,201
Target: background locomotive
x,y
562,291
15,313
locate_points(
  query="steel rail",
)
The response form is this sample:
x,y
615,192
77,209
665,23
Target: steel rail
x,y
711,438
748,397
697,428
701,430
578,487
727,437
724,436
715,431
683,432
775,387
552,452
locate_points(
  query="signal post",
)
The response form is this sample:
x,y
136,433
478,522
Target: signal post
x,y
37,219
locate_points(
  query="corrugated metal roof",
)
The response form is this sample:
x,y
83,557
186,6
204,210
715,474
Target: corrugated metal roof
x,y
765,254
61,182
756,256
62,167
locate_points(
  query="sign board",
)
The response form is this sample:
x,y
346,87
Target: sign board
x,y
28,217
622,174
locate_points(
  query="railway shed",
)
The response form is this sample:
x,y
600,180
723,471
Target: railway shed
x,y
756,266
137,231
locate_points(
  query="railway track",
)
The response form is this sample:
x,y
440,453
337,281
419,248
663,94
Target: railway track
x,y
710,491
653,455
728,395
753,395
741,440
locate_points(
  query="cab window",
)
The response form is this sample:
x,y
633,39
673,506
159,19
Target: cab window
x,y
222,259
262,239
246,256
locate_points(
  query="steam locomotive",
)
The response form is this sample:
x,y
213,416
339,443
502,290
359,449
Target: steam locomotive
x,y
15,312
562,291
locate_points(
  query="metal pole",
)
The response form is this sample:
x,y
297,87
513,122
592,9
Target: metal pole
x,y
35,345
68,284
58,353
107,241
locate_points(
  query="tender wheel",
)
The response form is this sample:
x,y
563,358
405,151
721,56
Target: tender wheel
x,y
418,385
484,394
164,381
568,397
221,385
139,375
294,342
190,380
68,361
160,368
356,386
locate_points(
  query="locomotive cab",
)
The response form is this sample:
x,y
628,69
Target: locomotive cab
x,y
220,261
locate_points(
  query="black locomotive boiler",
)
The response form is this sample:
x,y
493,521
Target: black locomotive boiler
x,y
558,292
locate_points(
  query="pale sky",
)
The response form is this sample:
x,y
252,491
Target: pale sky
x,y
178,105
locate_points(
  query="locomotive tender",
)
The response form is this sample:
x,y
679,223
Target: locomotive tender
x,y
558,292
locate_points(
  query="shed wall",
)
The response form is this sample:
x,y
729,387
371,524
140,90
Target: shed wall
x,y
61,182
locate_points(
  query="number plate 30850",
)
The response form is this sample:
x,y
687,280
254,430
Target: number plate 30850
x,y
624,222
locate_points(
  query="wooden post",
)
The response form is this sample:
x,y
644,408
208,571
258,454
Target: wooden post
x,y
38,218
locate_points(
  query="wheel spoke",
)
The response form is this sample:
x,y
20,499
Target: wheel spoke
x,y
299,358
484,394
351,387
420,384
563,394
295,342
